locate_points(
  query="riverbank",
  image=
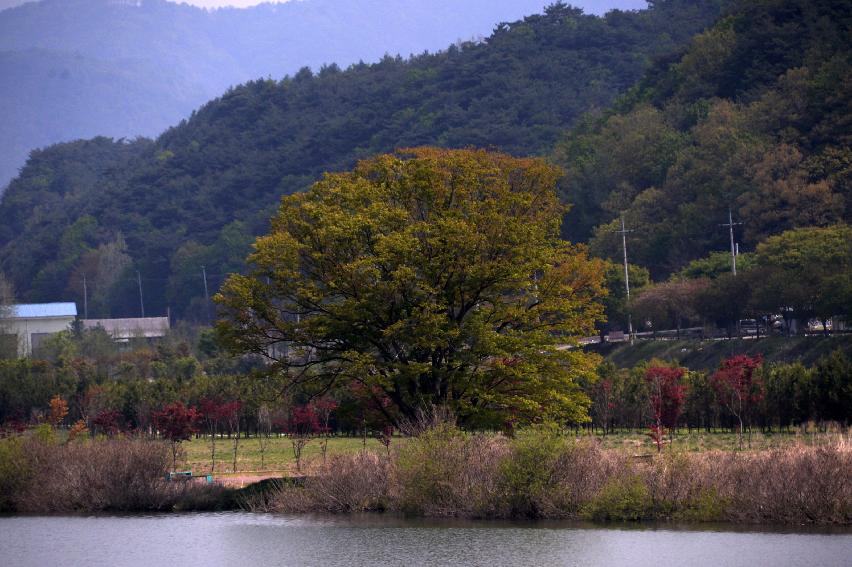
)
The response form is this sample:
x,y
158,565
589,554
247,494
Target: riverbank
x,y
445,472
541,474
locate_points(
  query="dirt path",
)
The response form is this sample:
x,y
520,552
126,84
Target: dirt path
x,y
241,480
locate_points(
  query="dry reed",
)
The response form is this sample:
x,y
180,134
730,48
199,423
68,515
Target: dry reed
x,y
445,472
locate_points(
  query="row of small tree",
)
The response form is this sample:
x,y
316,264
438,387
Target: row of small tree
x,y
743,392
735,384
177,422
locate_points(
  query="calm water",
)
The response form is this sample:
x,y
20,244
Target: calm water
x,y
236,539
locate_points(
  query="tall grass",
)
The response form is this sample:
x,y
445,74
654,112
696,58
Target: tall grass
x,y
541,474
92,476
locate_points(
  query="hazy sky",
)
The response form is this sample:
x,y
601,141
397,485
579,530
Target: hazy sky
x,y
244,3
220,3
204,3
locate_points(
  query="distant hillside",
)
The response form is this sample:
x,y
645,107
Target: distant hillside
x,y
708,355
197,195
755,117
78,68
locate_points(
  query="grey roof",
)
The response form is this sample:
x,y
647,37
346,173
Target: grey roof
x,y
147,327
37,310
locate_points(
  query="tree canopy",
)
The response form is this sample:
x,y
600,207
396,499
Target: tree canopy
x,y
427,277
753,117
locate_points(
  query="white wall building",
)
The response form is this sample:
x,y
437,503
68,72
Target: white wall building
x,y
29,324
123,330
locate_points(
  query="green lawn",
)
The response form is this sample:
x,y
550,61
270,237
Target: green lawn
x,y
279,452
721,440
278,455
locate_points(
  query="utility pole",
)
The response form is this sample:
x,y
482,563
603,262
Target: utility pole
x,y
623,232
206,293
141,303
731,224
85,299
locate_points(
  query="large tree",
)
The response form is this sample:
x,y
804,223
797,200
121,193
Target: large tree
x,y
428,277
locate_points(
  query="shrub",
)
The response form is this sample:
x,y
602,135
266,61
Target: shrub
x,y
624,498
14,471
102,475
347,483
706,506
527,478
581,472
445,472
796,485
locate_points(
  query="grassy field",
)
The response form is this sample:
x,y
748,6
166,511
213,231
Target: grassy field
x,y
279,452
724,441
278,456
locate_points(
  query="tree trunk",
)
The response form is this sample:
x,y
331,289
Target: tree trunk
x,y
236,444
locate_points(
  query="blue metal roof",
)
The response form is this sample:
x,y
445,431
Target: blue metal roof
x,y
35,310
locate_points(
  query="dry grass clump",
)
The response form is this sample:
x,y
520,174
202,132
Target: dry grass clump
x,y
445,472
104,475
791,485
542,474
346,483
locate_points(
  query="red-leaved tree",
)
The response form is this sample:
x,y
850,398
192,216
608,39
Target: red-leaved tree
x,y
739,388
107,422
176,423
667,394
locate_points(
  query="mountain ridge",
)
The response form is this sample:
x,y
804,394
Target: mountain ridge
x,y
197,194
178,56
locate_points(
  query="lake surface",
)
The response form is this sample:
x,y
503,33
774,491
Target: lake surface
x,y
237,539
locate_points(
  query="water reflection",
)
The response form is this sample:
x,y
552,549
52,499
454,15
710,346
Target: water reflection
x,y
257,539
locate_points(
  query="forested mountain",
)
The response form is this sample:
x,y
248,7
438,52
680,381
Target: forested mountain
x,y
755,117
78,68
198,193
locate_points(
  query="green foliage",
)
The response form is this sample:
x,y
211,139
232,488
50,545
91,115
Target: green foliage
x,y
615,302
15,470
431,277
806,270
621,499
749,118
427,467
527,476
833,387
516,91
714,265
45,434
706,506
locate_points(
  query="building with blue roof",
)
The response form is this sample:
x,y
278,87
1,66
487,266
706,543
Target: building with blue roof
x,y
28,324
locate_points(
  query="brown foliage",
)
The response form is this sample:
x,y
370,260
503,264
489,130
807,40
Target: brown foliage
x,y
448,473
114,475
346,483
